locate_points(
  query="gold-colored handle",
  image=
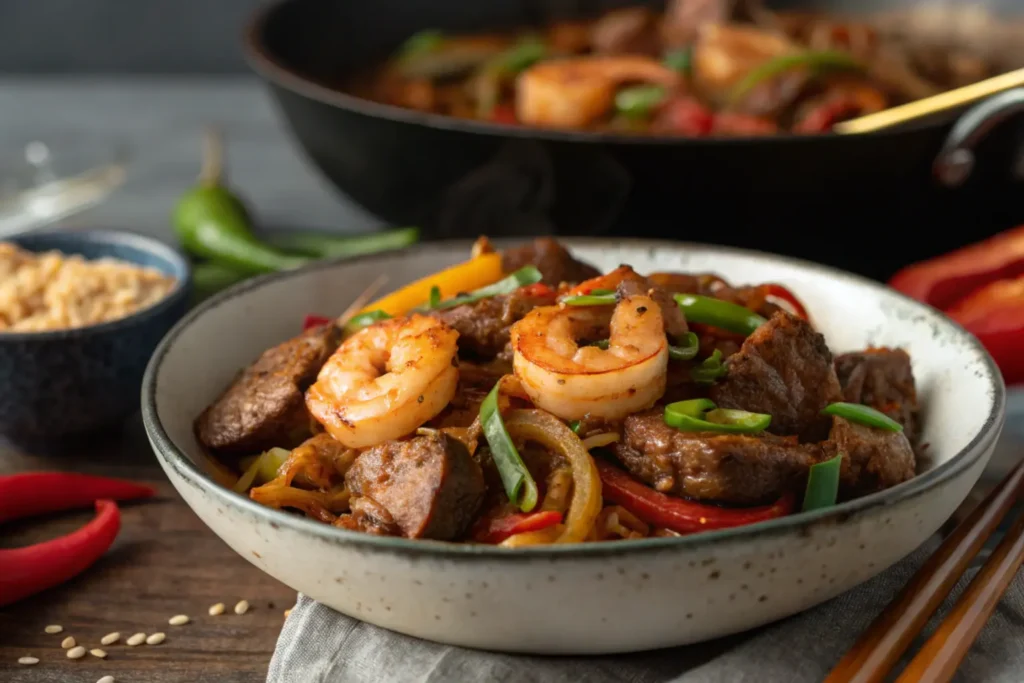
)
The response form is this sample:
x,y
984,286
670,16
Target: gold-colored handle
x,y
950,99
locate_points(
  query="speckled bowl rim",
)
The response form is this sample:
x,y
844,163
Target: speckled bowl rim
x,y
111,238
183,465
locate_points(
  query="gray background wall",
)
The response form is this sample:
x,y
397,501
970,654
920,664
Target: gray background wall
x,y
122,36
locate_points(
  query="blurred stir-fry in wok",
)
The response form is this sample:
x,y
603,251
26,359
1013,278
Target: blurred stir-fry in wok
x,y
701,67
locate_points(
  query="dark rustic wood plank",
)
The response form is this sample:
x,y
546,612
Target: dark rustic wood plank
x,y
165,562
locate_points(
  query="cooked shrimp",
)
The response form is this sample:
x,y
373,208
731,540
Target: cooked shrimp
x,y
571,381
569,93
386,380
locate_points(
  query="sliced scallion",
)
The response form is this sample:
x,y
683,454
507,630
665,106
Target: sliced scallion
x,y
823,484
718,313
865,415
527,275
687,350
710,369
702,415
358,322
517,480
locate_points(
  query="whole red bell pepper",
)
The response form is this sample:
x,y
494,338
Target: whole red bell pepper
x,y
944,280
677,514
26,571
497,529
995,315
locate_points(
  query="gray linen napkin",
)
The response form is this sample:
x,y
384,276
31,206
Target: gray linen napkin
x,y
319,645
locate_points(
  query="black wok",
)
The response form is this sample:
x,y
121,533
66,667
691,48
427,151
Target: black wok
x,y
868,203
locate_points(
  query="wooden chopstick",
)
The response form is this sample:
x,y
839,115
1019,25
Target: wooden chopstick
x,y
940,657
931,105
361,300
878,649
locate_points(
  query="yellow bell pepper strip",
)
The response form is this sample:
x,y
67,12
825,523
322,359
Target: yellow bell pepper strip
x,y
464,277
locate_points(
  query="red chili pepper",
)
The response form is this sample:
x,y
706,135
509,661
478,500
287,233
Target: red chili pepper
x,y
678,514
733,123
34,493
538,290
943,281
995,315
312,321
821,118
26,571
496,530
777,291
504,113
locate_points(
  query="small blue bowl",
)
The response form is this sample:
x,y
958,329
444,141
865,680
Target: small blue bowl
x,y
65,383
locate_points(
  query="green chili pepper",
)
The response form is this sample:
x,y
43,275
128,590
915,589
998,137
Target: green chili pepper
x,y
208,278
598,297
717,313
710,369
679,60
527,275
362,320
639,101
687,350
514,475
329,245
211,222
865,415
701,415
421,43
575,426
522,55
823,484
816,61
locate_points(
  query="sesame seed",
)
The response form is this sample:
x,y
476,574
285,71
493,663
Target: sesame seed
x,y
106,679
178,620
110,638
96,652
76,652
137,639
242,607
53,629
67,643
155,639
28,661
216,609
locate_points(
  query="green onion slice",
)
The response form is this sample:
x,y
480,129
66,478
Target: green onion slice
x,y
640,101
702,415
358,322
679,60
815,60
823,484
717,313
518,482
711,368
687,350
527,275
865,415
435,296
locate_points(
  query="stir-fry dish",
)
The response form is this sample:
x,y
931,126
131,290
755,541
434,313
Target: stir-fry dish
x,y
524,398
701,67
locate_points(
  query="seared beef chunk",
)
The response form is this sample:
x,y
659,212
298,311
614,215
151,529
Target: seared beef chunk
x,y
785,369
483,327
883,379
675,321
429,485
631,30
264,407
554,262
725,468
874,459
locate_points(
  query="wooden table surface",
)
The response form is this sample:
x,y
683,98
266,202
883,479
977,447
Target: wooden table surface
x,y
164,562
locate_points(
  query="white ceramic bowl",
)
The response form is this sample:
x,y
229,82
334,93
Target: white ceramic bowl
x,y
588,598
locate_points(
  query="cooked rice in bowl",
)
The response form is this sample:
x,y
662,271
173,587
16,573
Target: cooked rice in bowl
x,y
53,291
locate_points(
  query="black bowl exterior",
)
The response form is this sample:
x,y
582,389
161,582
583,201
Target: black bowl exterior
x,y
73,382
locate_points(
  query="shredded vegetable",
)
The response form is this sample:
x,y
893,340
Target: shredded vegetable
x,y
518,482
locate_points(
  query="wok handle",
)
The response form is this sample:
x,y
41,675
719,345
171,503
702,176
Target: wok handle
x,y
955,160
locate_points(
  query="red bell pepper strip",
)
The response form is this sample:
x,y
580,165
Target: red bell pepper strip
x,y
312,321
943,281
34,493
995,315
496,530
677,514
26,571
780,293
